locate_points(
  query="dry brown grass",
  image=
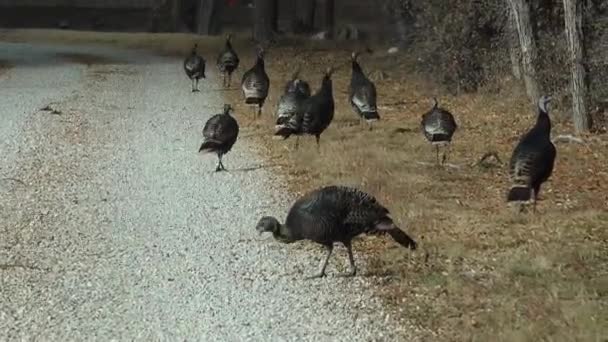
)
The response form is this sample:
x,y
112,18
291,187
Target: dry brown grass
x,y
4,65
166,44
482,273
86,59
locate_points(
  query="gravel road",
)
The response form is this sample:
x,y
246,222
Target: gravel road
x,y
112,226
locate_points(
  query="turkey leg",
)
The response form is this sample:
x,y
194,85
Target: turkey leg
x,y
321,272
351,260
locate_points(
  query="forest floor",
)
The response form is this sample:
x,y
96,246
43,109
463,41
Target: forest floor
x,y
482,272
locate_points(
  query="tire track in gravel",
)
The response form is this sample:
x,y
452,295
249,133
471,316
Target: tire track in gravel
x,y
125,232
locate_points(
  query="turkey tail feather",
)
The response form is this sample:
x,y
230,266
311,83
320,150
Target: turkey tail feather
x,y
519,194
402,238
371,115
210,146
284,132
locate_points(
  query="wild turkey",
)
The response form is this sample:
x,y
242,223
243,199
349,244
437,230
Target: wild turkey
x,y
532,159
334,214
362,94
255,83
220,132
315,115
438,126
194,65
295,93
227,62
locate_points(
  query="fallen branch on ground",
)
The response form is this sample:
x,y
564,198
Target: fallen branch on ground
x,y
487,156
48,108
5,267
403,130
14,180
567,138
482,161
397,103
453,166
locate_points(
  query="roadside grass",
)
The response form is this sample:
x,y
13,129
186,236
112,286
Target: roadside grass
x,y
4,65
85,58
482,272
166,44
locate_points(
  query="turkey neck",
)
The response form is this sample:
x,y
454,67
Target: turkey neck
x,y
282,234
326,87
259,63
357,71
543,122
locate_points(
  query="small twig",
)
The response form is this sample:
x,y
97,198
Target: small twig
x,y
403,130
48,108
453,166
398,103
567,138
5,267
14,180
486,156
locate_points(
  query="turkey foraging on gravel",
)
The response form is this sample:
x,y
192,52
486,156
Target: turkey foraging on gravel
x,y
220,133
362,94
227,62
295,93
334,214
532,159
438,126
194,66
255,83
315,115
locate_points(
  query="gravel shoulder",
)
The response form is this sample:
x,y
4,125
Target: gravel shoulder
x,y
113,226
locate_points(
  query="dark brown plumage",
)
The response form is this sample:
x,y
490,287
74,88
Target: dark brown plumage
x,y
194,66
362,93
255,83
220,132
533,159
438,126
227,62
334,214
295,94
315,115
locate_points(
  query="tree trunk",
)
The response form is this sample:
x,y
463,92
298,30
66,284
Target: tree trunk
x,y
291,14
404,24
306,18
329,16
573,18
514,50
274,16
264,20
205,16
521,14
176,11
